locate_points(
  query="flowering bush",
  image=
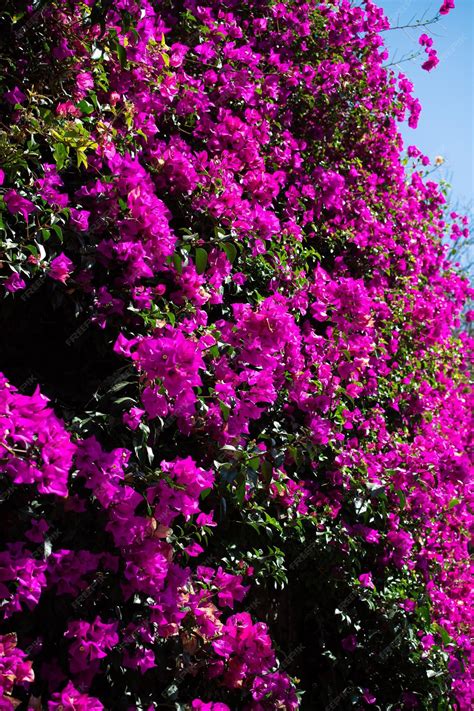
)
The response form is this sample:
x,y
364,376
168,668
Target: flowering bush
x,y
234,409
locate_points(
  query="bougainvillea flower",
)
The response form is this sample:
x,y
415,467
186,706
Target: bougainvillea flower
x,y
446,7
14,96
365,580
16,203
60,268
70,699
14,283
287,402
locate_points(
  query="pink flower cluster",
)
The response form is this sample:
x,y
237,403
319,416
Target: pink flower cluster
x,y
446,7
275,281
15,669
142,552
35,448
171,363
432,60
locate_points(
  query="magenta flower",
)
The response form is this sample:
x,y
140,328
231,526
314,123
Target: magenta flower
x,y
14,667
446,7
139,658
80,219
142,297
48,187
103,471
62,49
146,566
229,167
44,449
67,108
70,699
133,418
155,404
368,697
18,566
370,535
425,41
14,96
92,641
16,203
204,519
194,549
60,268
320,430
247,645
427,641
276,690
14,283
401,543
366,580
37,531
408,605
67,570
181,494
431,62
84,82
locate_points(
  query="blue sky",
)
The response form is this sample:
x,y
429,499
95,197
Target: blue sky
x,y
446,93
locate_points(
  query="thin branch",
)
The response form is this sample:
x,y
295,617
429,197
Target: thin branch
x,y
414,25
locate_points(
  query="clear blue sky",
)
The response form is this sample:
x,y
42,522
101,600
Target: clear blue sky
x,y
446,93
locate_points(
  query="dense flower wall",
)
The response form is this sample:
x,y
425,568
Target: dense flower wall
x,y
235,407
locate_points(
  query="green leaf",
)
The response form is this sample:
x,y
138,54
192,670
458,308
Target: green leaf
x,y
60,153
225,409
33,249
267,471
122,400
444,634
240,491
58,231
230,250
424,612
85,107
81,158
201,260
121,54
178,263
254,463
402,498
